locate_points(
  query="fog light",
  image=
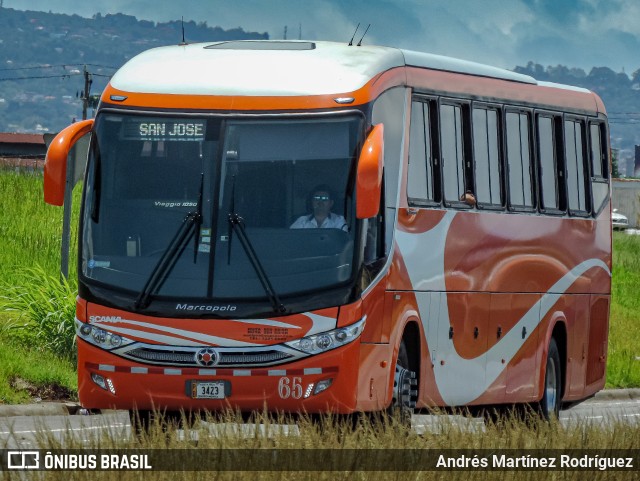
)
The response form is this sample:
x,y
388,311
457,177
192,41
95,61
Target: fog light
x,y
111,386
99,380
322,386
309,390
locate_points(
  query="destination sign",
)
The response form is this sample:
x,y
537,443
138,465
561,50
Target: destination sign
x,y
164,130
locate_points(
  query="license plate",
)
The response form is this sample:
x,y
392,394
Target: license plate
x,y
208,390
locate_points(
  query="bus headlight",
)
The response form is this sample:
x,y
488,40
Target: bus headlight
x,y
329,340
100,337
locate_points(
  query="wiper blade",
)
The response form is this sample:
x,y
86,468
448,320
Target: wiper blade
x,y
237,225
168,259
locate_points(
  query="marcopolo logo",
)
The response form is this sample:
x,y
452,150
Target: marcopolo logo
x,y
206,307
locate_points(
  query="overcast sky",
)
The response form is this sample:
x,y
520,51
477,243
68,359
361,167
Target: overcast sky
x,y
504,33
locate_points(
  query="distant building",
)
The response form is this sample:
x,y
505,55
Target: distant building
x,y
636,165
626,198
22,150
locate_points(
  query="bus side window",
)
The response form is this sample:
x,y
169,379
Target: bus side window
x,y
519,167
486,154
452,143
548,162
599,166
423,162
574,158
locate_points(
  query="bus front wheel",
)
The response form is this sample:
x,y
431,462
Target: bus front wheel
x,y
405,384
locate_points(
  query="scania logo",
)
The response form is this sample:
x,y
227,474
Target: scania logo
x,y
207,357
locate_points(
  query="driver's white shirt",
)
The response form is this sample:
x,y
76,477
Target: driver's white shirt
x,y
332,221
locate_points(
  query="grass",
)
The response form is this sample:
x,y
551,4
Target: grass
x,y
31,230
31,233
623,368
27,373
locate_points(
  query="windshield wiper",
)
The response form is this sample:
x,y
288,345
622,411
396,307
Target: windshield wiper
x,y
237,224
190,224
168,259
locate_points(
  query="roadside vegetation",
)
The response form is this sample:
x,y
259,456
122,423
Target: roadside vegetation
x,y
37,311
333,449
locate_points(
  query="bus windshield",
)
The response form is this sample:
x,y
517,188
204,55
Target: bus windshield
x,y
249,190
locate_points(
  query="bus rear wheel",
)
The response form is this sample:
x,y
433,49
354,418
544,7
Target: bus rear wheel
x,y
549,405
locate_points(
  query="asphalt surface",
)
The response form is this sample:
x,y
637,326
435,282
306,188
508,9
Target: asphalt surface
x,y
70,408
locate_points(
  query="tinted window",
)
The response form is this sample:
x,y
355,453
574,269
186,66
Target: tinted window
x,y
519,160
486,155
575,166
547,164
452,155
600,167
420,186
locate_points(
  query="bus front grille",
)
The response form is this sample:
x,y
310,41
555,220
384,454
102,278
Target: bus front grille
x,y
184,357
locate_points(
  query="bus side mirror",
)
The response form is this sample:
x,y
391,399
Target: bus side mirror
x,y
369,179
55,164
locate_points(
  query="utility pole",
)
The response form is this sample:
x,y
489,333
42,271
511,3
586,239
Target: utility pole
x,y
86,93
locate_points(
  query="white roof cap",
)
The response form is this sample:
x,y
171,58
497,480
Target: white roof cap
x,y
282,68
242,68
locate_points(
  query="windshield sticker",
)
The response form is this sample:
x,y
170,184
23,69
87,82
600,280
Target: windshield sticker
x,y
205,240
267,334
172,204
94,263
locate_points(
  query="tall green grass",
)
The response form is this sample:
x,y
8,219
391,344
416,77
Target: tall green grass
x,y
44,312
623,367
31,231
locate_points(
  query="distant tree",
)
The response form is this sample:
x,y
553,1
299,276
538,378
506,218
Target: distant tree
x,y
614,164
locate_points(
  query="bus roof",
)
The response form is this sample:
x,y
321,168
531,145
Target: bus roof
x,y
282,68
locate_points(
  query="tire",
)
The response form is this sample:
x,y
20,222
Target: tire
x,y
549,405
405,385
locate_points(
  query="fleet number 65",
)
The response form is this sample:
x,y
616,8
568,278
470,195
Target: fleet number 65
x,y
290,387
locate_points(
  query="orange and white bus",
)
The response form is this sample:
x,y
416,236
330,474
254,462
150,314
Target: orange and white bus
x,y
471,266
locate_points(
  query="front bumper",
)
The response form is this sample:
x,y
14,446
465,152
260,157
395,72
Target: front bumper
x,y
287,387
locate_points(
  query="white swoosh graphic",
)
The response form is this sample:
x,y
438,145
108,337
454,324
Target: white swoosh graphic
x,y
459,380
198,337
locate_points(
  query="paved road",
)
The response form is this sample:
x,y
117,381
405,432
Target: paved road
x,y
45,430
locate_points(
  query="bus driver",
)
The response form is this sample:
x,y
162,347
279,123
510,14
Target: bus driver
x,y
321,202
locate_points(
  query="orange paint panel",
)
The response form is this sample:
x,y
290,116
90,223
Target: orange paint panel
x,y
373,304
373,378
349,314
469,317
81,309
